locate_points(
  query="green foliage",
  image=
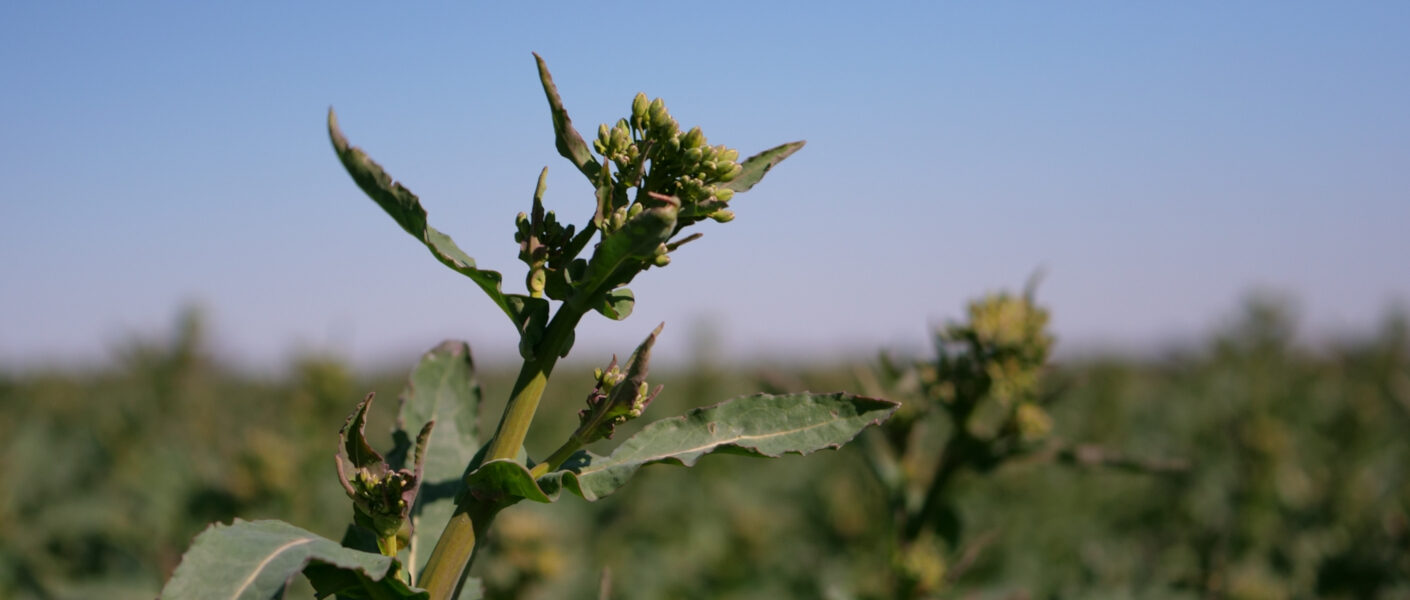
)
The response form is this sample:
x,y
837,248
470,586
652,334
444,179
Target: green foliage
x,y
442,390
983,394
252,560
1295,486
763,425
653,181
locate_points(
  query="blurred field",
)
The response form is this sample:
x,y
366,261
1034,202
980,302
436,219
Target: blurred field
x,y
1298,486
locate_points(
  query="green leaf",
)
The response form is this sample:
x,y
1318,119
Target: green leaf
x,y
503,482
567,139
617,304
760,425
405,208
249,560
756,166
621,254
443,388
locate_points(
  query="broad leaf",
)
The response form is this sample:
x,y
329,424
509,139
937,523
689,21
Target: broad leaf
x,y
616,304
760,425
406,209
442,388
569,142
756,166
252,560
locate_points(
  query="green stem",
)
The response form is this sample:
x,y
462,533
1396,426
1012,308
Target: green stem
x,y
959,451
555,460
456,547
528,389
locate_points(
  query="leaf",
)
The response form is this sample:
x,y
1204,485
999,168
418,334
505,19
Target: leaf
x,y
405,208
567,139
759,425
617,304
249,560
620,254
442,387
756,166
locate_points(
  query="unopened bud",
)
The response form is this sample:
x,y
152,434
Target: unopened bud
x,y
658,112
724,194
693,138
722,216
661,260
640,105
732,173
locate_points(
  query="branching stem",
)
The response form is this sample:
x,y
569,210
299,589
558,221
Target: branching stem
x,y
456,546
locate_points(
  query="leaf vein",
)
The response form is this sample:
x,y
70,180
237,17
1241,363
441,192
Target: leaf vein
x,y
260,567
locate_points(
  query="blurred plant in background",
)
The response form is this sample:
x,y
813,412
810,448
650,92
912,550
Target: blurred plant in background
x,y
1298,482
980,403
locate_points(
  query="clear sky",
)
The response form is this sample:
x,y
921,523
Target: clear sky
x,y
1157,161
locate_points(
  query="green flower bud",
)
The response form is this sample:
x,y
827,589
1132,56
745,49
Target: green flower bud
x,y
732,173
693,138
658,113
635,210
724,194
729,155
692,156
661,260
722,216
640,105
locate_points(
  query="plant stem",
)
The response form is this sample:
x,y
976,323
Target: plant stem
x,y
528,389
555,460
456,547
958,451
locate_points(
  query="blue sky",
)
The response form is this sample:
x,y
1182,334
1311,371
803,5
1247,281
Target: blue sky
x,y
1157,162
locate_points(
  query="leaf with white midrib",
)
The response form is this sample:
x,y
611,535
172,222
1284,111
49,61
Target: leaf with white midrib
x,y
255,560
761,425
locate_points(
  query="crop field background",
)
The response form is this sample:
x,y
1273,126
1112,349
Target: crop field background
x,y
1142,165
1298,480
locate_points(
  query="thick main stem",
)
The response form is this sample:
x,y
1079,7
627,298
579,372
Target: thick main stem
x,y
456,546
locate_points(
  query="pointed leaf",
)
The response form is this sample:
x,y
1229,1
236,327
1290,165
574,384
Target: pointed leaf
x,y
249,560
756,166
569,142
406,209
442,388
759,425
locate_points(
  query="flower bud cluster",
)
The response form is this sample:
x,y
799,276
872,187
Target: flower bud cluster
x,y
382,495
652,154
618,395
989,370
611,403
543,244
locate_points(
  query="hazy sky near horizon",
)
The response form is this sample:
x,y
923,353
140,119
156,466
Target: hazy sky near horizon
x,y
1156,161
